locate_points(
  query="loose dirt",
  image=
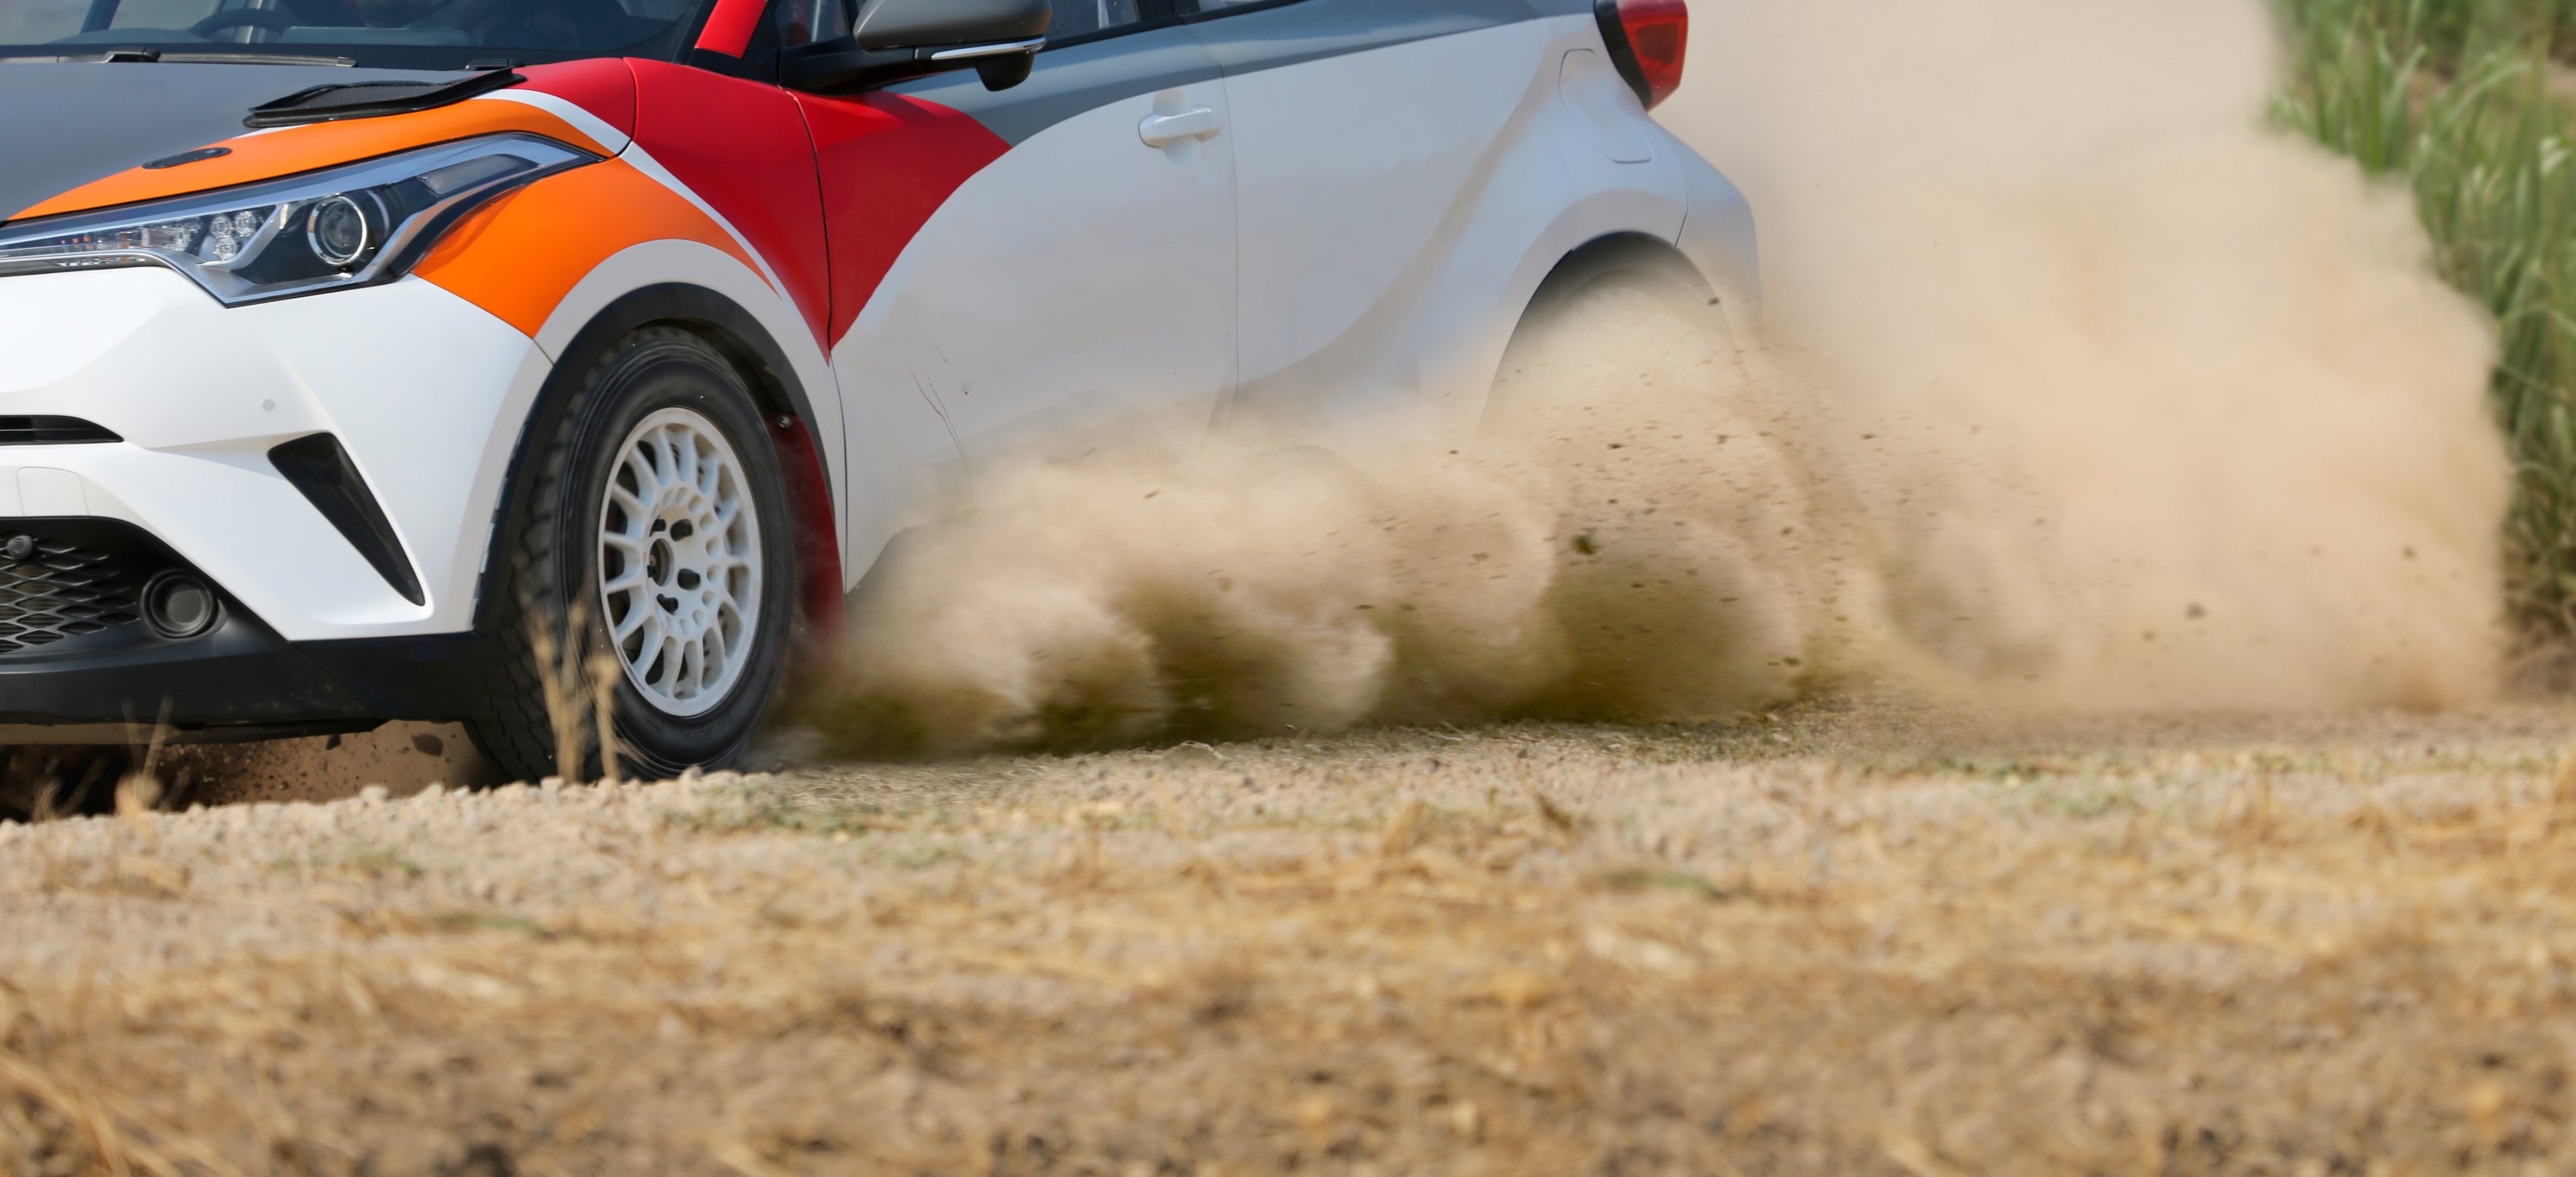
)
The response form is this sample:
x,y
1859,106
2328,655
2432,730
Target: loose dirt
x,y
2079,386
2202,428
1849,938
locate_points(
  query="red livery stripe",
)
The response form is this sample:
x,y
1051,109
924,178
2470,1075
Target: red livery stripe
x,y
888,163
741,146
729,27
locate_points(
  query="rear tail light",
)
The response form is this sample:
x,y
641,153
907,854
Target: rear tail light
x,y
1647,40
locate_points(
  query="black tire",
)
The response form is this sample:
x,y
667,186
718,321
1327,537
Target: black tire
x,y
551,571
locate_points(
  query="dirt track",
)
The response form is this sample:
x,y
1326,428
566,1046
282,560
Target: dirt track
x,y
1836,940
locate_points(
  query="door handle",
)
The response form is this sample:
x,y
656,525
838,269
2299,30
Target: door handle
x,y
1163,130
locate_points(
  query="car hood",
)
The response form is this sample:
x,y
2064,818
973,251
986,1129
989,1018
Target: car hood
x,y
72,123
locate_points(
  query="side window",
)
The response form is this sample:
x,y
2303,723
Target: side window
x,y
1082,18
804,22
161,14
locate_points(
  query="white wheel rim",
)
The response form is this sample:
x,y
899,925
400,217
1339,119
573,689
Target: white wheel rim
x,y
679,562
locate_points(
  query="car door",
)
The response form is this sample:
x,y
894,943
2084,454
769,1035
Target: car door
x,y
1047,267
1380,146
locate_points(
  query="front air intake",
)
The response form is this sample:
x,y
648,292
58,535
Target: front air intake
x,y
52,431
55,587
322,470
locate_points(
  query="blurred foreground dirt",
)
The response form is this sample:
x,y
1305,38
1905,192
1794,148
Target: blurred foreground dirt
x,y
1837,940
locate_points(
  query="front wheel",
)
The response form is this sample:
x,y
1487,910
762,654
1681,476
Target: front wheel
x,y
652,566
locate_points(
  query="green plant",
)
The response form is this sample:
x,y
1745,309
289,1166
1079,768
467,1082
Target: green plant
x,y
2458,100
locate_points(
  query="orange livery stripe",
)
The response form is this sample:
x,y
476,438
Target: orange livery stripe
x,y
307,148
519,256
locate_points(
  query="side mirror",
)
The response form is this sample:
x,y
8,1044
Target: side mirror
x,y
897,39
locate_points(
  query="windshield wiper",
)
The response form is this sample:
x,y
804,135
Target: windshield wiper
x,y
146,54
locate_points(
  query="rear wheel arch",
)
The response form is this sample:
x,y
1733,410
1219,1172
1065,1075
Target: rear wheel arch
x,y
1632,261
1632,258
1612,254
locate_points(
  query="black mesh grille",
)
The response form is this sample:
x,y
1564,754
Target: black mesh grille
x,y
51,590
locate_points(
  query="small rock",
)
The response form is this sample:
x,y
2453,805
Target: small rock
x,y
1193,755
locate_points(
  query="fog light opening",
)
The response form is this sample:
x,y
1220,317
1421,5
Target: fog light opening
x,y
179,605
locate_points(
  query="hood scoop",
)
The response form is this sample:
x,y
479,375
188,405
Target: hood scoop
x,y
367,100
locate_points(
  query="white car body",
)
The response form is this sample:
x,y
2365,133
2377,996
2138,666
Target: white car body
x,y
1275,212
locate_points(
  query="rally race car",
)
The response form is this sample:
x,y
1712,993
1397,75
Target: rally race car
x,y
355,354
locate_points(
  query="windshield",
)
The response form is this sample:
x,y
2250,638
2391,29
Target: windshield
x,y
416,34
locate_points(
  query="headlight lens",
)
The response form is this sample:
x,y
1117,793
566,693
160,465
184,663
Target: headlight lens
x,y
347,226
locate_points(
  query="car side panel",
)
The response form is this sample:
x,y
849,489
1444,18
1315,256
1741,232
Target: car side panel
x,y
1401,203
1077,279
897,160
1718,236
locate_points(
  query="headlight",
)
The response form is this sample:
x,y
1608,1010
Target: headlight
x,y
346,226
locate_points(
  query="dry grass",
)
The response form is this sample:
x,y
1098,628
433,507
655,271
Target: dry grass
x,y
1835,941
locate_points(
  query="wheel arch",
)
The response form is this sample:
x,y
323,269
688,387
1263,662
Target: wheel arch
x,y
1605,253
783,400
1613,252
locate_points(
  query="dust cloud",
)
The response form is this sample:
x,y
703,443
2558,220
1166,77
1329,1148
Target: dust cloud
x,y
2078,389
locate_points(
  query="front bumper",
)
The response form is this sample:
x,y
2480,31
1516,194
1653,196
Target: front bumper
x,y
81,660
424,391
241,682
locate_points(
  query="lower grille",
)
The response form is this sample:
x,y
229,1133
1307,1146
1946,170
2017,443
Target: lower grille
x,y
51,590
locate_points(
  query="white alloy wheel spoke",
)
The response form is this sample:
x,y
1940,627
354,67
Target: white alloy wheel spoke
x,y
684,456
648,645
644,461
639,616
634,504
